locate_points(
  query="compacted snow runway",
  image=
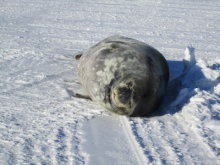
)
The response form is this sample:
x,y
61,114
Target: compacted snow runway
x,y
41,122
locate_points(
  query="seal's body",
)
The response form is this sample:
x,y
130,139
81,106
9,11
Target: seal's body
x,y
125,76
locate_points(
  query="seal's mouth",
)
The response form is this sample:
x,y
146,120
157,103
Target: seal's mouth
x,y
115,98
121,97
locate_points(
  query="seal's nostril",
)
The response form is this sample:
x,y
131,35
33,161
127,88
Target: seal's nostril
x,y
129,84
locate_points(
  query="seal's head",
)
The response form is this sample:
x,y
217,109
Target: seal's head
x,y
125,95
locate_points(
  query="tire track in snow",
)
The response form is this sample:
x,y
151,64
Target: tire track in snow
x,y
203,152
171,142
60,146
75,142
66,145
155,145
133,143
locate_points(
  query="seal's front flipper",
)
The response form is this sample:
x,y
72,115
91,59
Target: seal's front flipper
x,y
77,57
74,94
82,93
82,96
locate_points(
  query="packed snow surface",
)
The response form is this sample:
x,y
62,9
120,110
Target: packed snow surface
x,y
41,122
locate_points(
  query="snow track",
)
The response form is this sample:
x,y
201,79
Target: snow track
x,y
41,122
165,142
132,141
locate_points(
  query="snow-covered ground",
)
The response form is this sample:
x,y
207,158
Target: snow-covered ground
x,y
41,122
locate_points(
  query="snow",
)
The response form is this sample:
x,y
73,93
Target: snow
x,y
41,122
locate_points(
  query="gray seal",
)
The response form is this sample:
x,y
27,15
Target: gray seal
x,y
124,75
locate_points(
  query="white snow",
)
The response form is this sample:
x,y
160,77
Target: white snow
x,y
41,122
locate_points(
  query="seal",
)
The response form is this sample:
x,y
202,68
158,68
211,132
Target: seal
x,y
124,75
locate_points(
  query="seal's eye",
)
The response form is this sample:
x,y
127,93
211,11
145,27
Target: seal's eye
x,y
124,94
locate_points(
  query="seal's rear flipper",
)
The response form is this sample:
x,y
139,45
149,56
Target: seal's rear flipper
x,y
77,57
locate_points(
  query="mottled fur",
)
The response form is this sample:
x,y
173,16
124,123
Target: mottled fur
x,y
125,76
